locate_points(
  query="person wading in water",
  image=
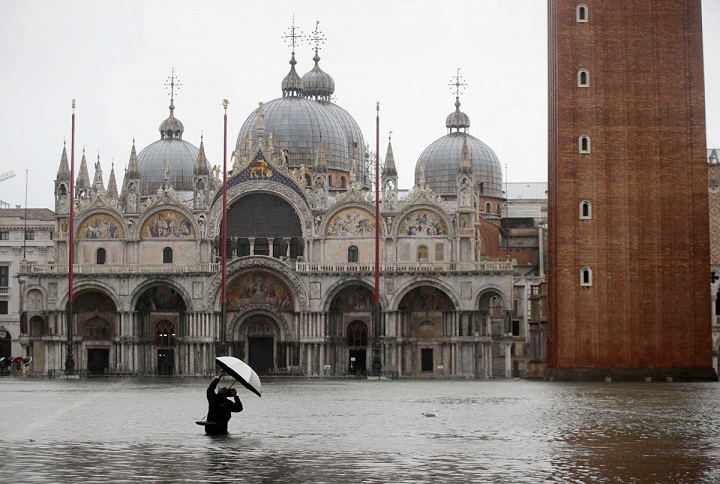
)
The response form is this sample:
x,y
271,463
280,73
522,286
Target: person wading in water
x,y
220,407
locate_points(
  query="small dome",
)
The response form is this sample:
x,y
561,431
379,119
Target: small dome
x,y
296,124
442,164
292,85
171,128
318,84
457,120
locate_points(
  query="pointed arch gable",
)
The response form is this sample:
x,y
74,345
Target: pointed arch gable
x,y
167,222
423,221
100,225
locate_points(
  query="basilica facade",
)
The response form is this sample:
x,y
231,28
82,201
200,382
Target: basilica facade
x,y
300,250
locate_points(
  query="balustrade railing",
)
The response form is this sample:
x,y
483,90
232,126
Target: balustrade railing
x,y
118,268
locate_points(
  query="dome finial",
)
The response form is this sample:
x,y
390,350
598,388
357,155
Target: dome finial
x,y
172,83
457,119
292,84
318,84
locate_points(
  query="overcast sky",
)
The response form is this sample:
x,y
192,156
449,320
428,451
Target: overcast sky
x,y
114,58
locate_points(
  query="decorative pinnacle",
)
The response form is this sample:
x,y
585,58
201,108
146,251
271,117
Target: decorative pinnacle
x,y
293,36
317,37
377,107
458,83
225,104
390,136
172,83
73,104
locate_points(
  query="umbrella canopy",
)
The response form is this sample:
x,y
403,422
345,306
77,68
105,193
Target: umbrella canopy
x,y
240,370
27,360
18,359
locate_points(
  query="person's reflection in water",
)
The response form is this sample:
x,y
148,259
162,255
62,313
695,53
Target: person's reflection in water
x,y
220,407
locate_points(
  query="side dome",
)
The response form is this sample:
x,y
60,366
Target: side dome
x,y
297,124
180,156
442,163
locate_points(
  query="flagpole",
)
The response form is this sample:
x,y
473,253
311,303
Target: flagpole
x,y
376,364
69,358
223,295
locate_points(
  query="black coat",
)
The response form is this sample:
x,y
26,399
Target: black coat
x,y
220,410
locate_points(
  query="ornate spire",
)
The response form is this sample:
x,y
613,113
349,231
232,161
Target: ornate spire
x,y
83,178
64,170
389,168
172,128
201,168
133,169
98,185
457,120
112,190
292,85
320,160
466,165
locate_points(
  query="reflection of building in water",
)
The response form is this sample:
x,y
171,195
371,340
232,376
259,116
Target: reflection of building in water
x,y
301,249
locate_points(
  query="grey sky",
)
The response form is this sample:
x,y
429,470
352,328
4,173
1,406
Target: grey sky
x,y
114,57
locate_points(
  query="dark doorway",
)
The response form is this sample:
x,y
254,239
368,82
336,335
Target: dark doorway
x,y
98,360
357,363
165,362
427,359
260,354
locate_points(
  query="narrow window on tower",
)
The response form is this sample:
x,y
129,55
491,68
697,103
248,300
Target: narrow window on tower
x,y
584,144
582,13
583,78
100,256
488,207
167,255
586,277
585,210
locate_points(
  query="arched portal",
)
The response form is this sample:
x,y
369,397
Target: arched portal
x,y
426,320
256,340
96,320
161,313
350,329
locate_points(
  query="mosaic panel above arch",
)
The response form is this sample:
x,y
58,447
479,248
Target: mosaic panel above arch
x,y
351,222
167,224
101,226
423,223
426,298
259,287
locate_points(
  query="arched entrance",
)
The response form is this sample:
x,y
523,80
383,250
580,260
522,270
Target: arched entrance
x,y
357,341
161,310
96,316
165,337
349,328
256,343
5,350
427,318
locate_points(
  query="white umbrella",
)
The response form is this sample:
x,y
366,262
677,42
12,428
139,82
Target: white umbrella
x,y
242,372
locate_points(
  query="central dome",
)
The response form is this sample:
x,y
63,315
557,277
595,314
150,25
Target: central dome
x,y
297,125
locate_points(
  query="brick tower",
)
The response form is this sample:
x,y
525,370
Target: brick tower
x,y
628,203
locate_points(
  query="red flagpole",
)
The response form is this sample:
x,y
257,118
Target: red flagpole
x,y
377,326
69,358
377,205
223,295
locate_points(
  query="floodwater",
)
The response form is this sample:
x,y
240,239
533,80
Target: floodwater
x,y
347,431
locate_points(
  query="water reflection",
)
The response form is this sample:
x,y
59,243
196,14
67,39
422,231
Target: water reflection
x,y
360,431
